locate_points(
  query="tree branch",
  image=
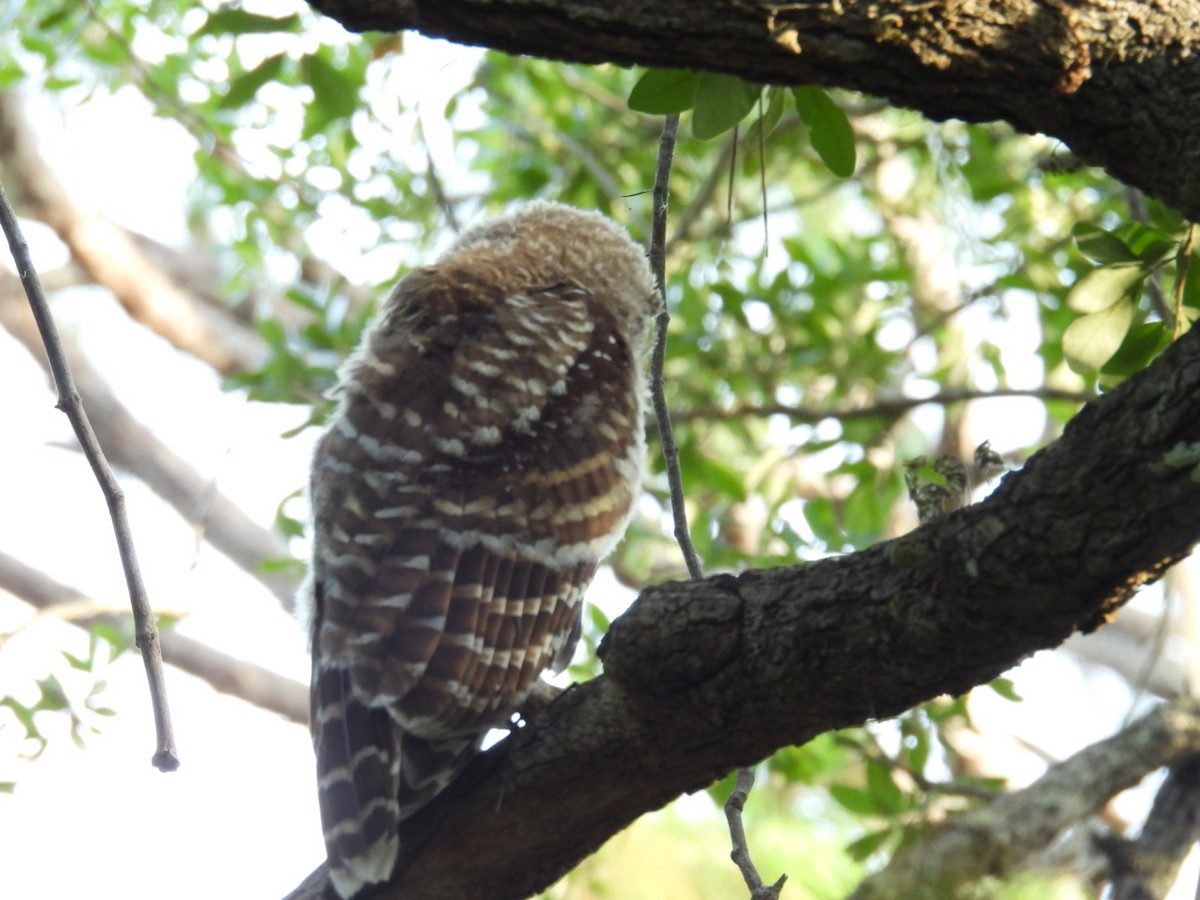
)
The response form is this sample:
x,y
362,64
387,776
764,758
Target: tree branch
x,y
71,404
113,259
705,676
1149,866
227,674
1108,77
131,446
997,839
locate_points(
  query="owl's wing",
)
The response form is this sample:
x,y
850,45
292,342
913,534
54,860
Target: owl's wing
x,y
479,469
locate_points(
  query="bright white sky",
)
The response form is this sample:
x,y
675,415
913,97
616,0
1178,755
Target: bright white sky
x,y
239,819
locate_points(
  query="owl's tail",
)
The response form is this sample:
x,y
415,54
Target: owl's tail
x,y
358,781
370,778
428,766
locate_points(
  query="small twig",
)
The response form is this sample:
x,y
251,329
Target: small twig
x,y
1183,262
68,401
658,262
435,181
741,853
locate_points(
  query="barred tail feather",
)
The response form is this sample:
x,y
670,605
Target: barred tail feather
x,y
358,781
427,767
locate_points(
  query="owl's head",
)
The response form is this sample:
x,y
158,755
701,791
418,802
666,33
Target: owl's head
x,y
541,244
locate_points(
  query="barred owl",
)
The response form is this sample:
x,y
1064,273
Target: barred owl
x,y
485,456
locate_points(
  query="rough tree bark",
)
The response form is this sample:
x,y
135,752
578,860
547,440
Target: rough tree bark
x,y
1114,79
702,677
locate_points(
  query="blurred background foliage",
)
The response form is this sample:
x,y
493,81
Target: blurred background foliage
x,y
809,315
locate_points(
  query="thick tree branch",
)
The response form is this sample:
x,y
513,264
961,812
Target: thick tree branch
x,y
1111,78
113,258
705,676
225,673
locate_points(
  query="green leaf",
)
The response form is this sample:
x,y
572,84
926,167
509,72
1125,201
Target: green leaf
x,y
856,800
821,519
761,128
829,129
24,715
720,477
888,797
868,844
721,101
232,20
1147,243
661,92
1105,286
819,757
1090,341
918,755
1004,687
1099,245
76,662
599,620
243,88
57,17
1142,343
119,638
283,565
335,92
53,697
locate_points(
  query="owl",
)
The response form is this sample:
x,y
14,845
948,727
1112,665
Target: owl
x,y
485,455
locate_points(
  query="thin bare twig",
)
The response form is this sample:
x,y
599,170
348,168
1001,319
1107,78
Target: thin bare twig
x,y
741,852
164,758
435,181
658,262
951,789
